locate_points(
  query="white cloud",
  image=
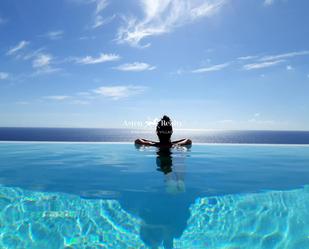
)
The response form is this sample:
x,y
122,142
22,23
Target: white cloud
x,y
268,2
58,97
32,54
284,56
43,64
262,64
211,69
42,60
135,67
101,5
271,2
205,9
18,47
249,57
163,16
118,92
4,75
257,114
95,60
87,37
100,21
272,58
289,68
55,35
46,70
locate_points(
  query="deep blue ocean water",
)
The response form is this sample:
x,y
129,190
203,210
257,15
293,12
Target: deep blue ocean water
x,y
129,135
115,195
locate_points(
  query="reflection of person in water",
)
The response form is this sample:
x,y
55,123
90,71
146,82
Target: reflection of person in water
x,y
164,131
173,177
165,214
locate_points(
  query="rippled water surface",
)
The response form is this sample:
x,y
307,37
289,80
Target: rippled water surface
x,y
87,195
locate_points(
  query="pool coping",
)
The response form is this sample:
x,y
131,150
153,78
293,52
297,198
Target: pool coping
x,y
132,143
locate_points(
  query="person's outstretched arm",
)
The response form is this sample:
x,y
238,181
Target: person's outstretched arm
x,y
184,141
145,142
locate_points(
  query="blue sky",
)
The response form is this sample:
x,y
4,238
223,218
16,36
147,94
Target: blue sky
x,y
221,64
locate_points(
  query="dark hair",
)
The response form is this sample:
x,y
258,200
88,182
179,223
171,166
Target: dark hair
x,y
164,129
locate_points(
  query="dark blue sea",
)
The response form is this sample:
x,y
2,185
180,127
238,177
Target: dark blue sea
x,y
129,135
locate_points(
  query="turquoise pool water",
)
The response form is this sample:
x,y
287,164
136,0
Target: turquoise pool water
x,y
97,195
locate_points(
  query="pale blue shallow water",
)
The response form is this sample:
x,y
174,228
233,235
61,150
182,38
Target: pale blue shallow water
x,y
98,195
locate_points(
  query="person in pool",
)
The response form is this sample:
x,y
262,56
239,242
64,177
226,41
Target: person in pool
x,y
164,132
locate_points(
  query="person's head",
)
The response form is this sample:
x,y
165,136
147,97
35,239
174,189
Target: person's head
x,y
164,130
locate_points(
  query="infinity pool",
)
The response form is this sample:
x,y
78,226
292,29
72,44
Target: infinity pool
x,y
115,195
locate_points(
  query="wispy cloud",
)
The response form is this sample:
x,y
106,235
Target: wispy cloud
x,y
284,55
32,54
54,35
163,16
4,75
100,20
57,97
269,2
46,70
115,92
249,57
270,60
260,65
100,59
119,92
74,99
18,47
135,67
84,38
42,60
42,63
101,5
211,69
